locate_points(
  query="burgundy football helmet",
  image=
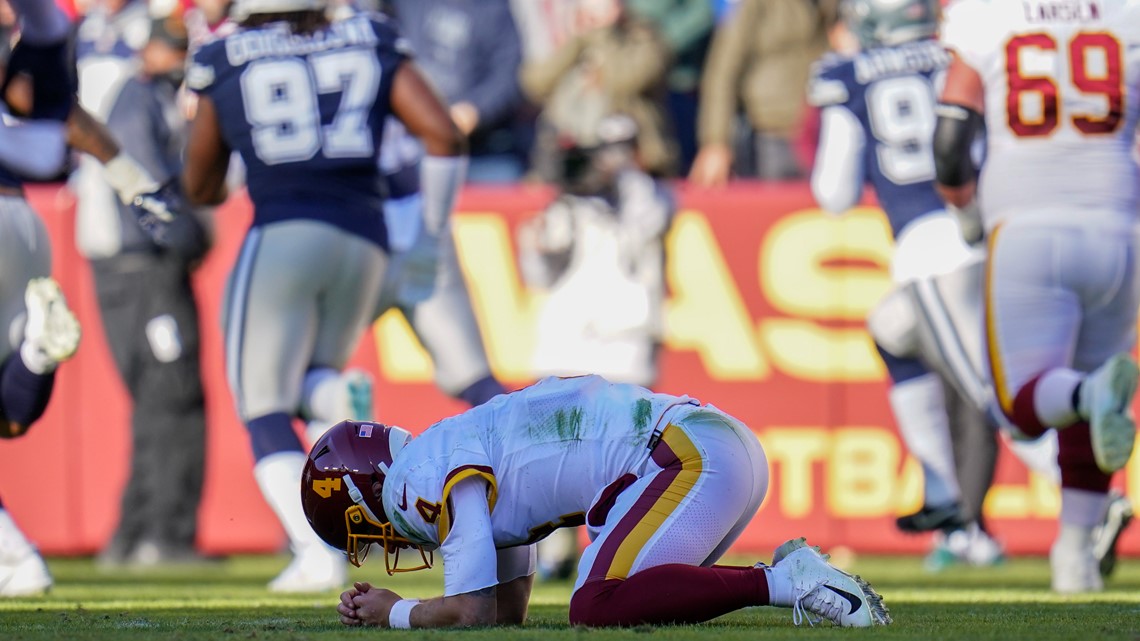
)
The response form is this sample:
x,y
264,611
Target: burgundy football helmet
x,y
340,491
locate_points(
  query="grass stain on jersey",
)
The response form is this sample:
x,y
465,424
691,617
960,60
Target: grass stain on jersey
x,y
561,425
642,412
402,526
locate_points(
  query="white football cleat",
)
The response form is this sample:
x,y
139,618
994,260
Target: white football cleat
x,y
1105,536
819,588
1105,401
51,328
25,575
970,545
315,570
1074,566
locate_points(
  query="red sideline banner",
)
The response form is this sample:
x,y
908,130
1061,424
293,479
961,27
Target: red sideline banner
x,y
764,320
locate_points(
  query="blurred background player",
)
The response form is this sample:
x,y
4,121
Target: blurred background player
x,y
877,121
150,317
665,485
1057,92
423,279
304,102
40,331
598,253
424,282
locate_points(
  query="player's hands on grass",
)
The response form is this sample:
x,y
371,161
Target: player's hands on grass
x,y
366,605
346,608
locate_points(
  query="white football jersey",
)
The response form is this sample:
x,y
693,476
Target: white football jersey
x,y
547,453
1062,94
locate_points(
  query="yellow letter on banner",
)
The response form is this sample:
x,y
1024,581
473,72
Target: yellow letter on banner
x,y
792,452
820,268
506,310
706,313
861,473
399,353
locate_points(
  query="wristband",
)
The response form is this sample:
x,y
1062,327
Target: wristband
x,y
400,616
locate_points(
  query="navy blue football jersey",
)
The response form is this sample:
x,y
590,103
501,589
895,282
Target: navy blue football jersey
x,y
890,91
306,112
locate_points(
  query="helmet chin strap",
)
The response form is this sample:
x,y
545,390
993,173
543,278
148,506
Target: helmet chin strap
x,y
357,497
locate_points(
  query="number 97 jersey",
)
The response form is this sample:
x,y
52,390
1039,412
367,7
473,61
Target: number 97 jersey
x,y
306,112
1061,80
879,124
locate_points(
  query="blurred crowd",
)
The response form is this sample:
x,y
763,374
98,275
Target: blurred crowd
x,y
715,87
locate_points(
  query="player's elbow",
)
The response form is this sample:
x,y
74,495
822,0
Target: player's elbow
x,y
202,193
512,618
445,140
204,198
831,194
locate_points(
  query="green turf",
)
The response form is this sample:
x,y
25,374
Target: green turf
x,y
229,601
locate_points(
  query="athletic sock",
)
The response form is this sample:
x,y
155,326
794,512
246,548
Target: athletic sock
x,y
919,406
673,593
271,434
279,475
1079,470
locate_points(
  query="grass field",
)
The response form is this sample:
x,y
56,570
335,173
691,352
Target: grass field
x,y
230,601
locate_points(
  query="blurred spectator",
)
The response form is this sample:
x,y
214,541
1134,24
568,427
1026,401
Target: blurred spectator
x,y
544,26
151,323
618,65
760,57
470,51
599,252
686,26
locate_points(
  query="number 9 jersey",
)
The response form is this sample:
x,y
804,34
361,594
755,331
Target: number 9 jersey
x,y
1062,80
877,127
306,113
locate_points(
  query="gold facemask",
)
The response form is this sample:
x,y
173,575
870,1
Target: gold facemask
x,y
364,531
